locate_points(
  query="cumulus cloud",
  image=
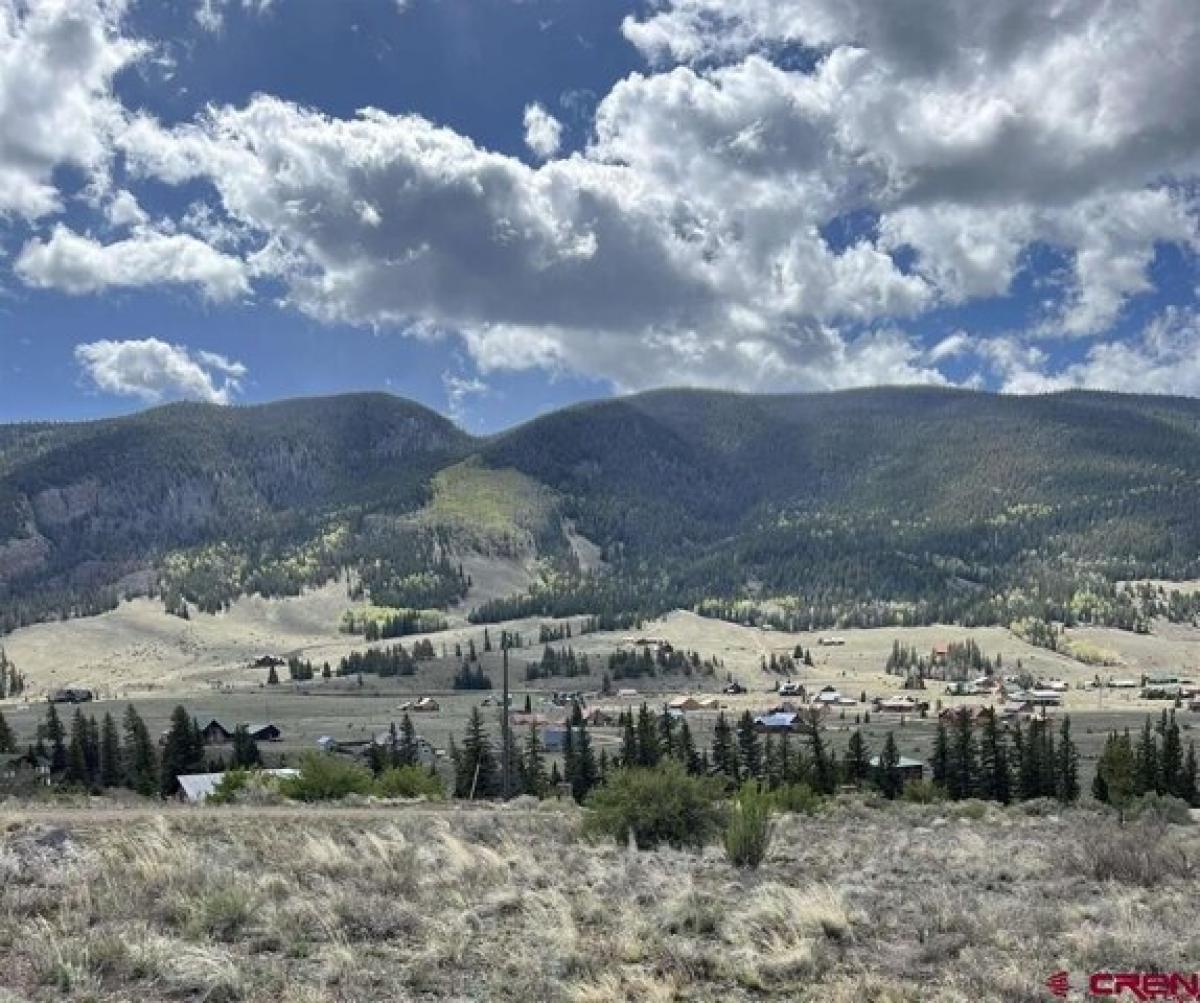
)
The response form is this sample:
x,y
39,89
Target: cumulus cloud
x,y
58,59
154,370
690,241
78,264
1163,359
543,132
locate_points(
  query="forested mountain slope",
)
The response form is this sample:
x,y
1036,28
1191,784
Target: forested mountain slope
x,y
856,506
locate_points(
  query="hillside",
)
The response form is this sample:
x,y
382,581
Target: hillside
x,y
882,505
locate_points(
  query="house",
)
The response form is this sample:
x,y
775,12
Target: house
x,y
1014,708
196,787
28,767
940,653
1122,684
682,704
215,733
626,693
263,732
776,722
1044,698
900,705
972,712
1057,685
791,689
603,717
71,695
828,695
831,642
910,769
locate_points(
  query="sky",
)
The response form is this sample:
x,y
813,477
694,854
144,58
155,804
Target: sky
x,y
498,207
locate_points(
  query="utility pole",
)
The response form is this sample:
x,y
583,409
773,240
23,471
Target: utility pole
x,y
504,763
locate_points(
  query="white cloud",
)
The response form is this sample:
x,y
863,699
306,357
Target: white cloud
x,y
210,14
688,242
78,264
1163,359
58,59
459,389
154,370
543,132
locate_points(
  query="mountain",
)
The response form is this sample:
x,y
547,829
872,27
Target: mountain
x,y
891,502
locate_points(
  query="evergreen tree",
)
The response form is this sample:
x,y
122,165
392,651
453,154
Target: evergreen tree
x,y
856,765
888,777
110,753
7,742
1117,767
995,778
1187,778
940,760
586,773
724,752
824,772
962,769
533,766
1145,762
407,750
139,760
1066,772
52,732
475,766
77,767
685,750
647,739
179,755
749,749
1171,759
272,676
245,749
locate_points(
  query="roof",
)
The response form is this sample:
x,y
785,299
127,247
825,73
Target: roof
x,y
781,719
198,786
905,763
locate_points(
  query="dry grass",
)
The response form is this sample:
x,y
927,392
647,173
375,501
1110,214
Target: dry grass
x,y
907,903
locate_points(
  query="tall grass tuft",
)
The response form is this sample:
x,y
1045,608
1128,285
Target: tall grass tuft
x,y
749,828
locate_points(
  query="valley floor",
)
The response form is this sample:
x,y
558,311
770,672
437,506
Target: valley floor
x,y
929,904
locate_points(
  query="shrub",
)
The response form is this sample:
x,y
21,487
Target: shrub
x,y
653,806
326,778
748,830
1139,854
409,782
922,792
799,798
1160,808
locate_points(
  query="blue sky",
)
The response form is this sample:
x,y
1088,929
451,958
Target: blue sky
x,y
560,199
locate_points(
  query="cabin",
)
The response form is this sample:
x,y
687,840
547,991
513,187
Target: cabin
x,y
71,695
263,732
26,768
779,722
900,705
215,733
910,769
